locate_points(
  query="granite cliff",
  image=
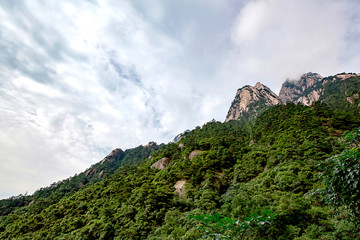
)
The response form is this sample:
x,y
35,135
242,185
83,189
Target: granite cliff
x,y
250,100
305,90
311,87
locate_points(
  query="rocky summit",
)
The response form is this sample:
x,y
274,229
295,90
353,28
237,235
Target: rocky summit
x,y
250,99
303,90
310,88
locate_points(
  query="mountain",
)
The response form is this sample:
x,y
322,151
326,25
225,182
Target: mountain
x,y
283,162
304,90
251,101
312,87
58,190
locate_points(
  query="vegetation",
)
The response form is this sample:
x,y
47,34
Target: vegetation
x,y
216,226
47,196
341,177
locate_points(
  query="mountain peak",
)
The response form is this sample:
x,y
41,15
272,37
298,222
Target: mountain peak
x,y
293,90
113,156
259,86
250,100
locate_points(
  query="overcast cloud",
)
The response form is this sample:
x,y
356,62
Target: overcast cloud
x,y
80,78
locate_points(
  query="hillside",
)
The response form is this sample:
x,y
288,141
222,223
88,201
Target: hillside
x,y
228,168
56,191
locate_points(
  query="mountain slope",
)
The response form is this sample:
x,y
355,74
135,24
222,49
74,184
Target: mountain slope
x,y
235,172
227,168
56,191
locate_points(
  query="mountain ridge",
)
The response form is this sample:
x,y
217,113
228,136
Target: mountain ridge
x,y
250,101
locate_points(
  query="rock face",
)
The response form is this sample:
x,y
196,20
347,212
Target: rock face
x,y
161,164
178,137
311,87
304,91
90,172
251,99
113,156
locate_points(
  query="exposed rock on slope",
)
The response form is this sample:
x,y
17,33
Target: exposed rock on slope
x,y
180,188
250,100
304,90
161,164
113,156
178,137
194,153
309,88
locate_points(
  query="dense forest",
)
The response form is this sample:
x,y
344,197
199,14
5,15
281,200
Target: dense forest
x,y
298,164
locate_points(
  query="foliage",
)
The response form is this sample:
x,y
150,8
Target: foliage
x,y
46,196
341,176
217,226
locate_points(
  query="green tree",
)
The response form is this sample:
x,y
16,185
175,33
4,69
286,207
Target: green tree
x,y
341,176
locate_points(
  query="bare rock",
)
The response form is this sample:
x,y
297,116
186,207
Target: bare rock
x,y
309,88
180,136
344,76
250,99
113,156
150,145
294,90
180,188
310,98
90,172
161,164
194,153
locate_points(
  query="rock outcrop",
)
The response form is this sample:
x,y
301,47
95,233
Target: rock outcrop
x,y
344,76
180,188
178,137
113,156
311,87
161,164
250,100
90,172
150,145
194,153
304,91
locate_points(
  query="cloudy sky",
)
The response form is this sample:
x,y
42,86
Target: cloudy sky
x,y
80,78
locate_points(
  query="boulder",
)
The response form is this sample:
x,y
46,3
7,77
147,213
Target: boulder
x,y
180,188
194,153
161,164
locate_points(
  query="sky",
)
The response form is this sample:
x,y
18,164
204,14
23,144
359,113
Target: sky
x,y
80,78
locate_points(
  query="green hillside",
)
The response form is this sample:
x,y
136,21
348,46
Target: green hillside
x,y
49,195
273,165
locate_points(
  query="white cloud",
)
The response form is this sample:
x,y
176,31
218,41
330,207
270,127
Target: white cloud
x,y
276,39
